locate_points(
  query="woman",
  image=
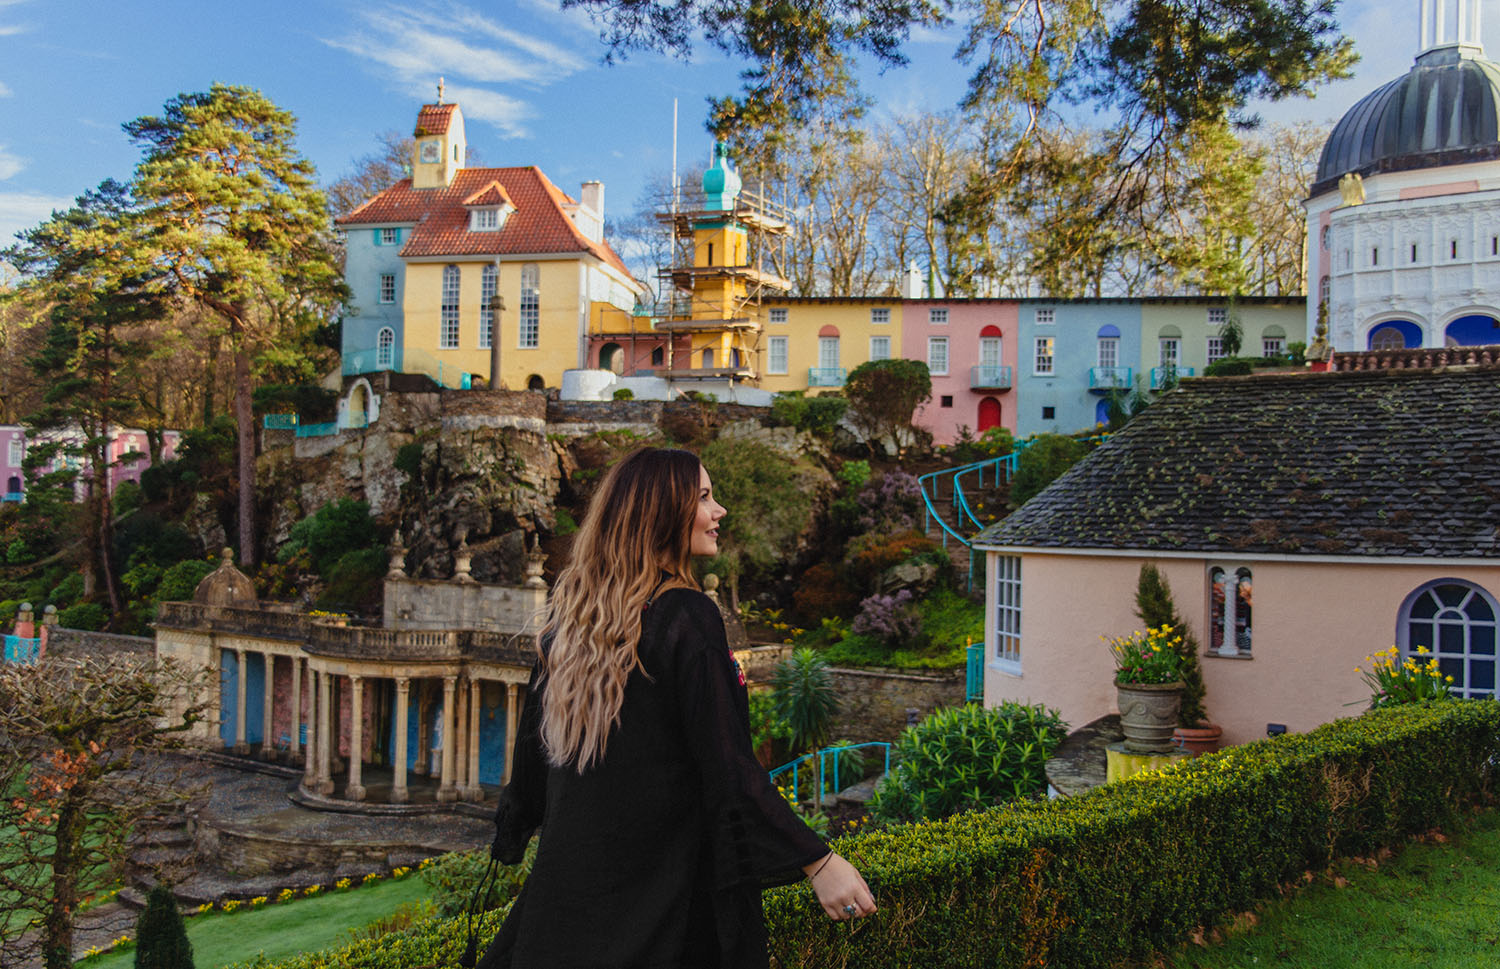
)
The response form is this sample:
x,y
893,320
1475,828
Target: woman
x,y
659,828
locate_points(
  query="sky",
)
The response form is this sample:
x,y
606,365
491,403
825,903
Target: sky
x,y
528,76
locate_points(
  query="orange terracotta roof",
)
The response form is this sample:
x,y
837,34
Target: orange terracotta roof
x,y
434,119
491,194
540,224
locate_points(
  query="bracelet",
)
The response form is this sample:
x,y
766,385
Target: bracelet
x,y
821,867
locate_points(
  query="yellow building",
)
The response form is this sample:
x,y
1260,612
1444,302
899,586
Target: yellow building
x,y
432,260
811,344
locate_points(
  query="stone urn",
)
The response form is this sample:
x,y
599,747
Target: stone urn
x,y
1148,715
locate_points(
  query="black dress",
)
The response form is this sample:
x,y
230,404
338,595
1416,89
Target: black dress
x,y
655,856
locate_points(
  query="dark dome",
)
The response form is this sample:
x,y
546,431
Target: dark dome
x,y
1445,111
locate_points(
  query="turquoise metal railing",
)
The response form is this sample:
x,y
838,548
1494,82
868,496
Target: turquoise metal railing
x,y
317,430
1109,378
23,652
406,361
826,376
1003,468
14,496
1161,376
822,754
989,377
974,678
279,422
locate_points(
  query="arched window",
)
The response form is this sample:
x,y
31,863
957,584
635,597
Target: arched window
x,y
530,323
535,382
489,279
448,337
1476,329
708,359
1230,600
1456,621
385,349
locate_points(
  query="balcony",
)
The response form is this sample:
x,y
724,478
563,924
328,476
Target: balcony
x,y
989,378
1164,376
826,376
14,496
1102,380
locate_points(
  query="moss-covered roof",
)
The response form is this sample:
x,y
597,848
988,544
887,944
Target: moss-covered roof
x,y
1365,463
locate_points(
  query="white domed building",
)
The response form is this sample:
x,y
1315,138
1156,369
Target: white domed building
x,y
1403,218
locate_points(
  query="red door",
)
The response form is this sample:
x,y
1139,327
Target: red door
x,y
989,414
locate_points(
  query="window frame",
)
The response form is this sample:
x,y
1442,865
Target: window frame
x,y
387,293
489,285
934,343
529,315
385,348
937,316
1271,346
1006,617
1215,350
16,451
1437,649
1046,316
885,343
880,315
1038,355
1221,618
777,315
772,345
388,235
448,319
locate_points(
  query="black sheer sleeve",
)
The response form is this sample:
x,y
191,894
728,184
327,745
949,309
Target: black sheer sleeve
x,y
756,838
524,799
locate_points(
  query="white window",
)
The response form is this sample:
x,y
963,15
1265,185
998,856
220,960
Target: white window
x,y
388,287
1323,237
448,338
1168,349
385,348
1109,351
777,314
776,354
17,452
1217,316
530,324
828,353
1324,287
1229,610
1456,622
880,348
937,354
989,351
880,314
938,316
484,220
1046,317
1042,365
488,280
1008,610
388,237
1388,338
1215,348
1272,346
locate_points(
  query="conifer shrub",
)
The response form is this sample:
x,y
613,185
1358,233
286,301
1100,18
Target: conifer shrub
x,y
83,615
161,940
1154,605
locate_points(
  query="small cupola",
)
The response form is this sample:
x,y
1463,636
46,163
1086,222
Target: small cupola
x,y
721,184
489,208
440,145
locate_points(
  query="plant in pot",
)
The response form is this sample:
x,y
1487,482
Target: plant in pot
x,y
1148,680
1153,603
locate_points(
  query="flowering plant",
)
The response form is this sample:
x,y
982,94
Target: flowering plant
x,y
1393,681
1149,656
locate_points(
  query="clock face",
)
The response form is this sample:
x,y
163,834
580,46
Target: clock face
x,y
432,151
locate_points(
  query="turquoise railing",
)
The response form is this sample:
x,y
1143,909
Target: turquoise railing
x,y
1109,378
400,360
826,376
14,496
1003,468
317,430
1161,376
23,652
279,422
824,772
974,676
986,377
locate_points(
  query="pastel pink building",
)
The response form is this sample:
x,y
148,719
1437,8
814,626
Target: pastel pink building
x,y
970,349
128,455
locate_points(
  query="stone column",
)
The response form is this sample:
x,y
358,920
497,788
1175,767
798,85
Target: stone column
x,y
295,732
399,793
422,767
476,711
354,790
512,718
314,755
1231,646
461,743
242,666
446,791
325,733
268,711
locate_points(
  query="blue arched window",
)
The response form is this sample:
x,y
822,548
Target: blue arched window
x,y
385,348
1456,620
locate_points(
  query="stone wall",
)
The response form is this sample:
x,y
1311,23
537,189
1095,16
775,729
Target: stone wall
x,y
83,644
873,704
430,604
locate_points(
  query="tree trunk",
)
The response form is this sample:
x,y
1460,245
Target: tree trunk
x,y
245,420
57,924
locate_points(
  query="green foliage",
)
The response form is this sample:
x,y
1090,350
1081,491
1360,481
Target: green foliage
x,y
454,878
968,758
409,460
1230,367
1392,681
161,940
1296,352
310,401
126,499
768,505
853,475
766,726
1154,606
67,592
1045,458
341,526
83,615
967,449
1131,869
883,395
623,393
804,696
566,524
816,415
180,581
355,581
18,552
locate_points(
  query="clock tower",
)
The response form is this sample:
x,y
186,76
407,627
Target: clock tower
x,y
440,146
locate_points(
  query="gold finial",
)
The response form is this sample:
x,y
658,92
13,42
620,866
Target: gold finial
x,y
440,90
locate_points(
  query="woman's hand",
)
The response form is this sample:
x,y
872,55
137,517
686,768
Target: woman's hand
x,y
840,888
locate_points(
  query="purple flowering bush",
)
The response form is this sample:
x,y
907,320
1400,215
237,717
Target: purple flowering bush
x,y
891,619
890,504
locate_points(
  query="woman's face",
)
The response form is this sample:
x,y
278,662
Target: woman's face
x,y
705,538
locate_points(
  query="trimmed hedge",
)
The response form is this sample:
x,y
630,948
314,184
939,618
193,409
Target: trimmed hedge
x,y
1120,872
1133,868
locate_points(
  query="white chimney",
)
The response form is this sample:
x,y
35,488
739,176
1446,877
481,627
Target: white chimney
x,y
589,216
912,282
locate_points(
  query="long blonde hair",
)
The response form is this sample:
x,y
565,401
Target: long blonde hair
x,y
638,525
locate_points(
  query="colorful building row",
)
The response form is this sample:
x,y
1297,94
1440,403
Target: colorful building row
x,y
128,456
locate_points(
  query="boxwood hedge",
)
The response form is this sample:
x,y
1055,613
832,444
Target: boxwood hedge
x,y
1120,872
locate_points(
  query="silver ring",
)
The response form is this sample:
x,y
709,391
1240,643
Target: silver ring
x,y
849,910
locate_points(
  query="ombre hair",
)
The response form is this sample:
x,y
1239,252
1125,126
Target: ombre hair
x,y
638,526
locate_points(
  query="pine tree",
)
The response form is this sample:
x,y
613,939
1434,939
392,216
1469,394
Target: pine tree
x,y
161,940
1153,603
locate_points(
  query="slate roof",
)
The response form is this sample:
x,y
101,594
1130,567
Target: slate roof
x,y
1401,463
540,224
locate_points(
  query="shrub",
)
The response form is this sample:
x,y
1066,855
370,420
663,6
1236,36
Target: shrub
x,y
1230,367
126,499
870,555
83,615
891,619
454,878
891,504
68,591
1393,682
160,936
356,580
339,527
1045,458
1133,868
180,581
771,505
805,698
821,594
1154,606
566,524
624,393
409,460
883,395
968,758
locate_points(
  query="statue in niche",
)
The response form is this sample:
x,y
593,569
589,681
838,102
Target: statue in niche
x,y
1352,189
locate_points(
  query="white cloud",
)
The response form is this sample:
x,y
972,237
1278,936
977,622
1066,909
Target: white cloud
x,y
22,210
9,164
500,110
5,91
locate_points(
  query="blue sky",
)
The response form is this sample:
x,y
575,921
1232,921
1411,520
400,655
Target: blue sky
x,y
528,76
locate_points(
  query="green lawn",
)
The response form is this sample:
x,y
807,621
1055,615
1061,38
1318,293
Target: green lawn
x,y
280,931
1432,905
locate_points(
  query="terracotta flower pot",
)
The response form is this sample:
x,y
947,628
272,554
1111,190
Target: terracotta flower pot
x,y
1148,715
1198,740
